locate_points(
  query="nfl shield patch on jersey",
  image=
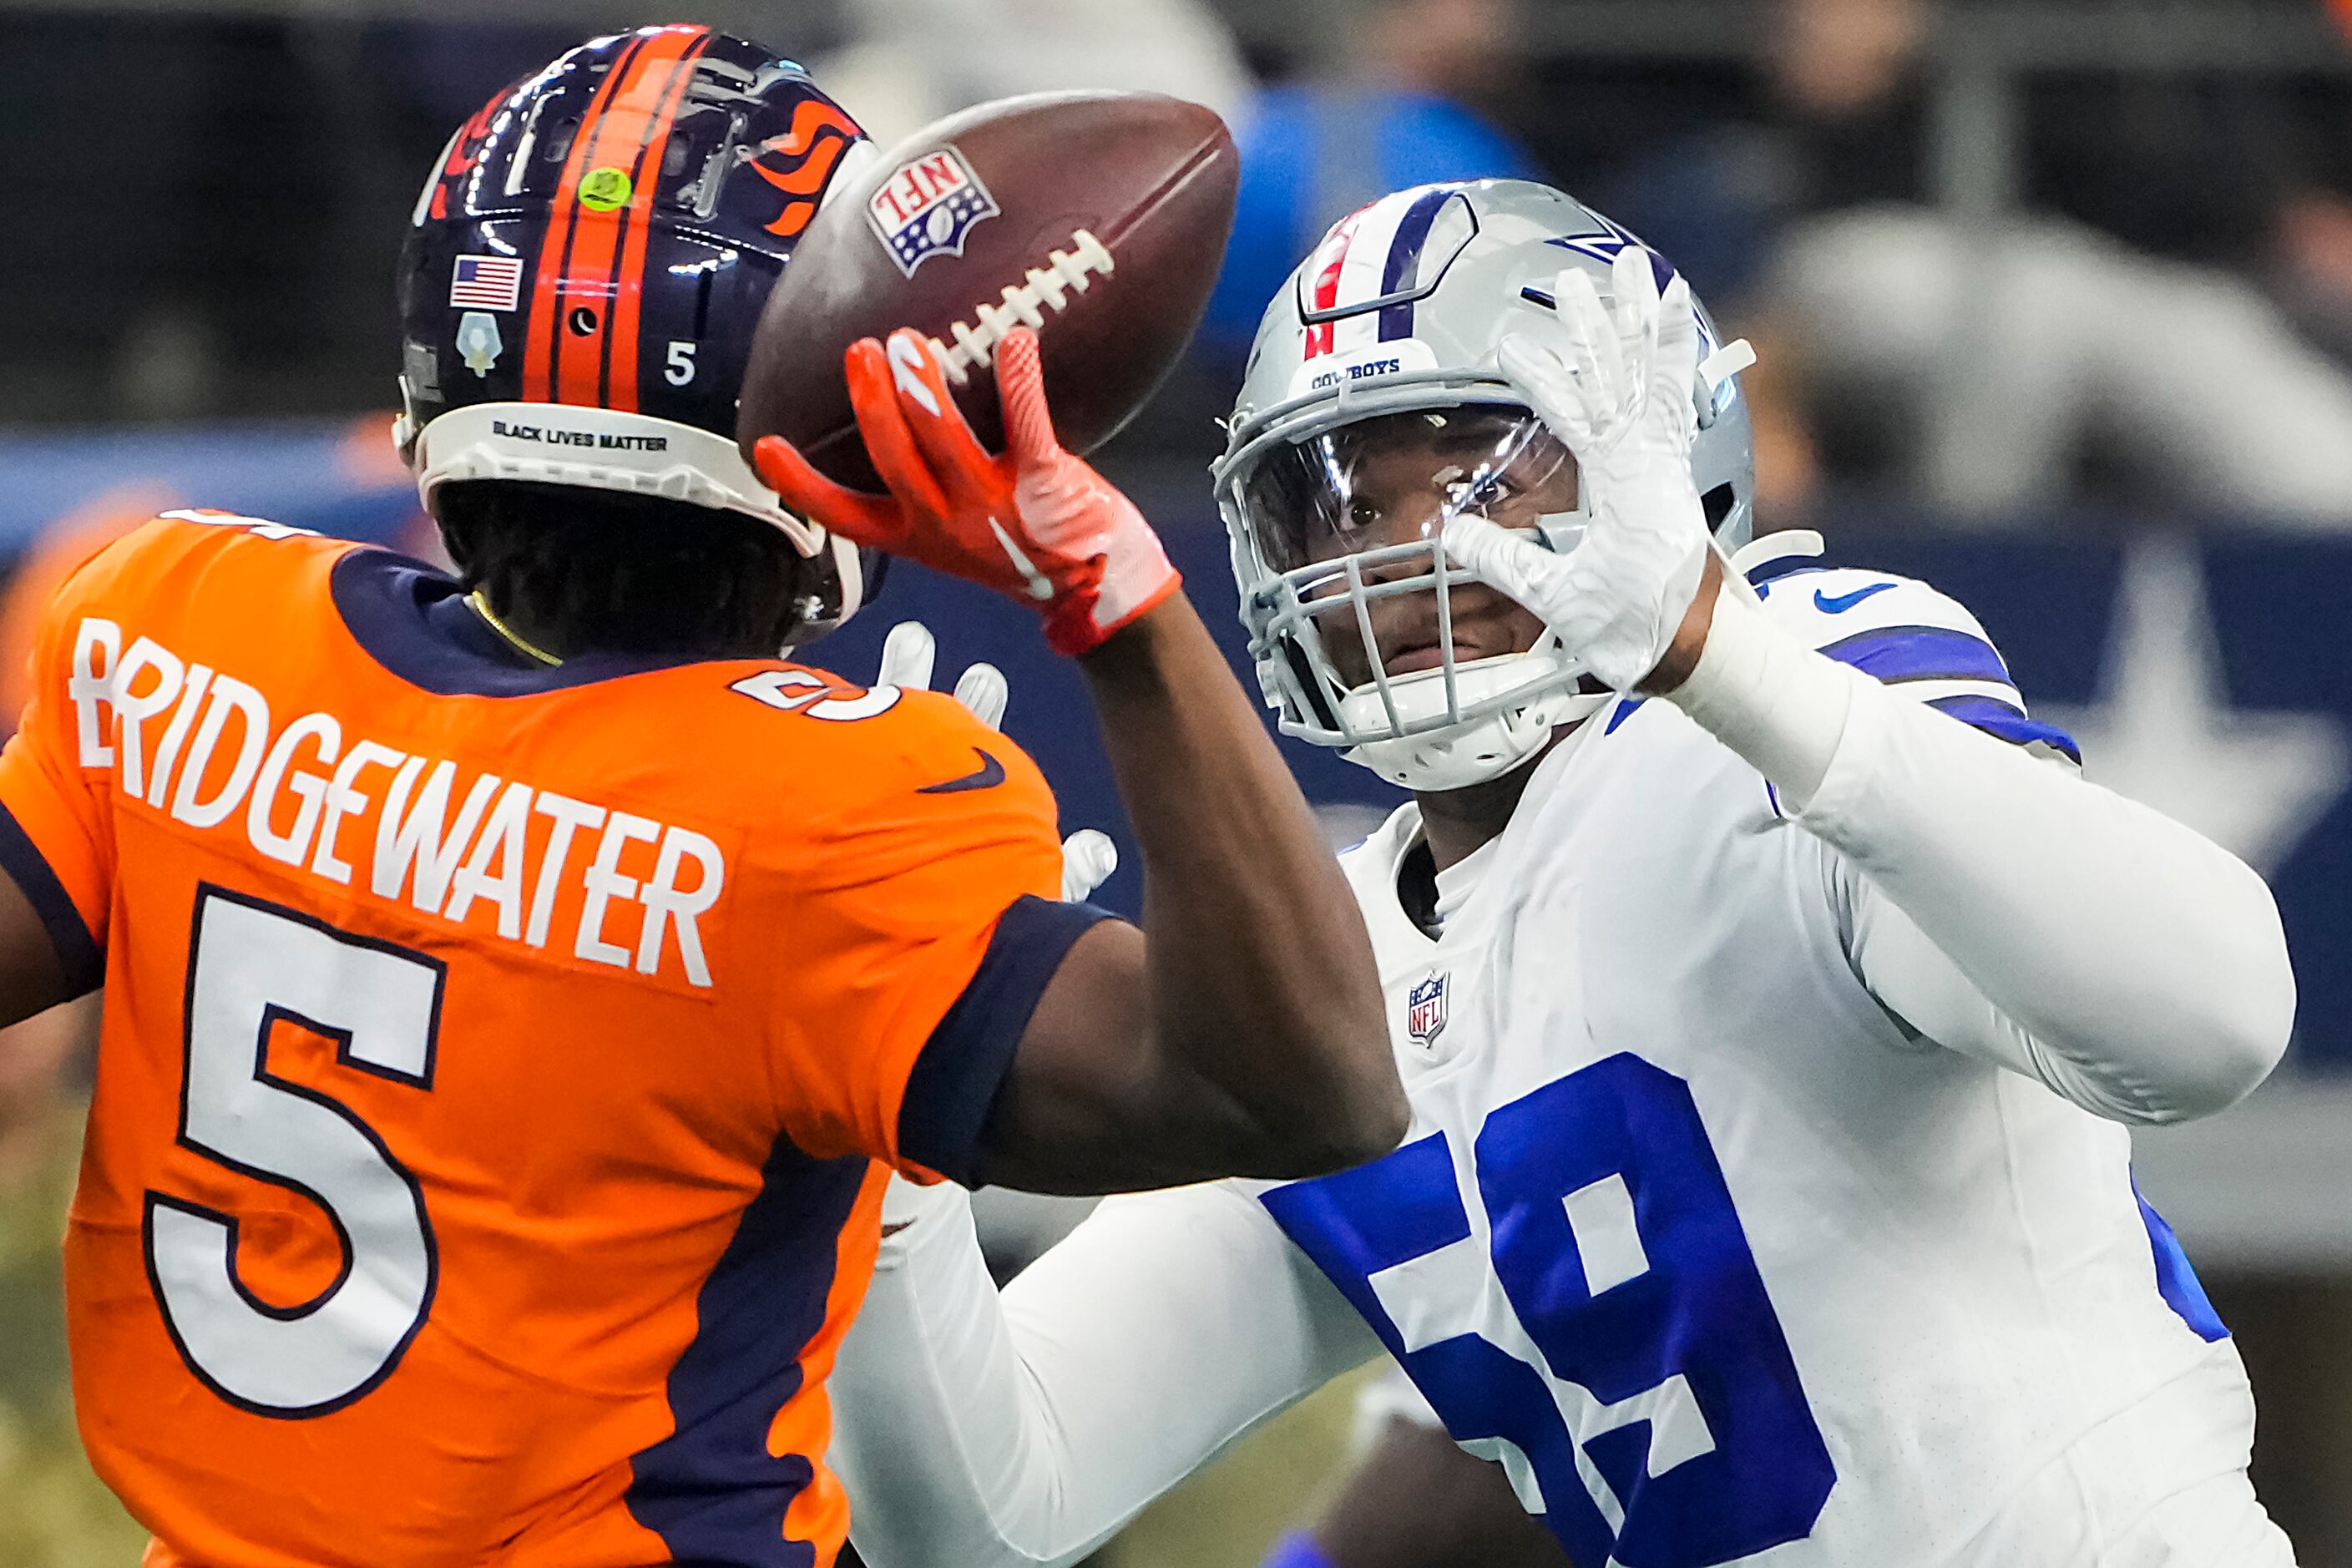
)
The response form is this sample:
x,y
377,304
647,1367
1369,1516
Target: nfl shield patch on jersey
x,y
1425,1011
926,207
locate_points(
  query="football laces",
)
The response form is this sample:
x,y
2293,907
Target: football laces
x,y
1023,304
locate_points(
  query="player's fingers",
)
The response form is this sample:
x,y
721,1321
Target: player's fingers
x,y
1588,368
1029,436
1633,280
983,693
908,655
809,494
1674,366
1507,558
1088,857
883,423
1548,384
928,409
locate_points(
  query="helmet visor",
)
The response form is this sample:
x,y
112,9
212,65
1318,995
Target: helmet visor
x,y
1397,479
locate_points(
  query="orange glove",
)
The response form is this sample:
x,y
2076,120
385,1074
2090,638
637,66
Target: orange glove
x,y
1037,523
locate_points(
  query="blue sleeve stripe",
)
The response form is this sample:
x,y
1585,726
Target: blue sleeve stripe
x,y
2005,723
1893,654
2175,1281
965,1061
78,953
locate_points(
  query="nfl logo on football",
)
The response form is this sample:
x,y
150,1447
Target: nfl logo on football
x,y
926,207
1425,1011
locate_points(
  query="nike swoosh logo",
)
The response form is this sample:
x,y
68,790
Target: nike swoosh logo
x,y
907,372
1040,586
988,775
1842,603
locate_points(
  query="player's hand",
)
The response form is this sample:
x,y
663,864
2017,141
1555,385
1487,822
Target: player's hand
x,y
1622,399
1037,524
909,656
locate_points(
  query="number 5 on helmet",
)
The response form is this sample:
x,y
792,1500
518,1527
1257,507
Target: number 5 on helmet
x,y
1036,524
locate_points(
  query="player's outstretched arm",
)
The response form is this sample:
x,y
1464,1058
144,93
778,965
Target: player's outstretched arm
x,y
1241,1031
2030,918
979,1431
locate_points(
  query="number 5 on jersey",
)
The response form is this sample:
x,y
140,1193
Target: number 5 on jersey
x,y
252,965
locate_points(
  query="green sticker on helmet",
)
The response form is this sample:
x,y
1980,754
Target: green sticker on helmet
x,y
605,190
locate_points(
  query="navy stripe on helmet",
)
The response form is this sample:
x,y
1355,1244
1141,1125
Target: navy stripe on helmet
x,y
1405,254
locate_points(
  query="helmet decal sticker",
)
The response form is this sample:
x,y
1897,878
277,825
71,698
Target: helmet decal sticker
x,y
802,160
479,342
485,283
605,190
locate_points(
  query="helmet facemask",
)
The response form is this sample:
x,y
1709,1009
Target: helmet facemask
x,y
1367,637
1401,311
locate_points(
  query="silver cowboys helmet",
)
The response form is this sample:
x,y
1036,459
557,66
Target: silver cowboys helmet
x,y
1372,410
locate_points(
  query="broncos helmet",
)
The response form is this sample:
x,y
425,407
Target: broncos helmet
x,y
1381,350
585,266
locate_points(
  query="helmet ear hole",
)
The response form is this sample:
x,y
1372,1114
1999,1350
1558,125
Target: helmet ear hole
x,y
558,141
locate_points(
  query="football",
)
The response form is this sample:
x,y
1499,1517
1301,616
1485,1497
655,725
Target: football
x,y
1098,218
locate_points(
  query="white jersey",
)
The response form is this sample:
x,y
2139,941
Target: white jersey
x,y
1724,1263
1767,1199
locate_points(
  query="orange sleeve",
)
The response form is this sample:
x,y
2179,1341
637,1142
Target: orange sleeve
x,y
57,838
926,922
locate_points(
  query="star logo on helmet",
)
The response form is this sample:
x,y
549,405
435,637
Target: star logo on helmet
x,y
1604,243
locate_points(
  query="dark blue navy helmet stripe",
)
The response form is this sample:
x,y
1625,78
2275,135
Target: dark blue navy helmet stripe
x,y
1893,654
711,1489
1405,254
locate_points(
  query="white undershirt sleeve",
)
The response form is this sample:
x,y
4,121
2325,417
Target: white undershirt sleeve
x,y
980,1431
2006,907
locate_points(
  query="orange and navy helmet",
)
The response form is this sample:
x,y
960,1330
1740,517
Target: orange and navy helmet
x,y
587,263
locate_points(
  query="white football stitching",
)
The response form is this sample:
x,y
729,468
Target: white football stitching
x,y
1023,304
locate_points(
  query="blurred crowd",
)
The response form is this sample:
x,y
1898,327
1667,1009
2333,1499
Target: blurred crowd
x,y
2005,279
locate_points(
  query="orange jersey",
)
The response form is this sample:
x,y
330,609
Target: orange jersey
x,y
500,1064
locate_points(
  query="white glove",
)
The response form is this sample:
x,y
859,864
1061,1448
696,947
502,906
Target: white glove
x,y
909,653
1623,402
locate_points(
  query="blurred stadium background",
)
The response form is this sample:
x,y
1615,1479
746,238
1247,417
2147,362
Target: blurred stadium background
x,y
2054,299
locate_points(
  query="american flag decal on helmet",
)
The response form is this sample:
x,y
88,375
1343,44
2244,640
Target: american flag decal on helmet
x,y
1424,1010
